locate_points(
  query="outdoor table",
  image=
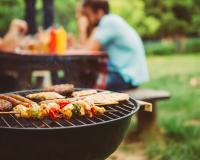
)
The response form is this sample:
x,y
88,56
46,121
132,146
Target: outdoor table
x,y
80,67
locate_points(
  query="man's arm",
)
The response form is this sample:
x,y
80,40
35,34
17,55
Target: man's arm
x,y
94,45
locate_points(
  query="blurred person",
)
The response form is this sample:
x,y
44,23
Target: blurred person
x,y
30,14
17,31
82,22
127,62
9,43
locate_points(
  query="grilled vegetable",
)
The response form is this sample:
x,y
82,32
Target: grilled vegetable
x,y
35,110
62,104
76,109
54,114
23,111
55,111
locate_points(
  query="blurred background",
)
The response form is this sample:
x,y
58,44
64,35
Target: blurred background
x,y
170,30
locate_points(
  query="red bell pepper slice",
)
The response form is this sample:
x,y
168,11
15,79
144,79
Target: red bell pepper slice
x,y
53,114
29,106
62,104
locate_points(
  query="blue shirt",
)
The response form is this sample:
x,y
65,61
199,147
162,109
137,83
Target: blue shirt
x,y
124,48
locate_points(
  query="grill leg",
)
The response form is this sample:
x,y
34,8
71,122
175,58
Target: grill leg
x,y
146,124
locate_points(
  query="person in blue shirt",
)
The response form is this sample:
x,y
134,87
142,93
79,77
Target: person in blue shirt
x,y
127,61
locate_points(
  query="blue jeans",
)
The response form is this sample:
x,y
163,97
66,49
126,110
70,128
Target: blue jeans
x,y
116,83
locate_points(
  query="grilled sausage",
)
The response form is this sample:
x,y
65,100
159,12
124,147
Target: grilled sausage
x,y
20,98
14,101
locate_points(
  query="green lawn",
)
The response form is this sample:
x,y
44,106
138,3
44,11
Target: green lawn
x,y
179,117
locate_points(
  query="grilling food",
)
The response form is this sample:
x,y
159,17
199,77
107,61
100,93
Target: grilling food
x,y
84,93
12,100
61,89
100,99
53,110
20,98
53,105
32,111
108,98
82,108
45,96
117,96
5,105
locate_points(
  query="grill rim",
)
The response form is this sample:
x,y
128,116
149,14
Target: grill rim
x,y
132,100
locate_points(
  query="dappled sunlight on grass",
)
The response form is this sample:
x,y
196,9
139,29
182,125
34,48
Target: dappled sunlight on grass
x,y
180,138
172,65
179,117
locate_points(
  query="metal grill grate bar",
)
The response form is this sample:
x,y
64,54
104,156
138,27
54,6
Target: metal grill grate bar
x,y
46,124
100,119
83,123
36,126
8,125
17,121
110,118
119,112
113,115
90,120
60,125
72,124
122,109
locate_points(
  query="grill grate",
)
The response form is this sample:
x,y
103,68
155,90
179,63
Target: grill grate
x,y
120,111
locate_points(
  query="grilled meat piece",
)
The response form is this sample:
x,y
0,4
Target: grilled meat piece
x,y
84,93
108,98
12,100
61,89
45,96
20,98
118,96
5,105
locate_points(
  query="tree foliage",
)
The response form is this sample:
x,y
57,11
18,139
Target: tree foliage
x,y
151,18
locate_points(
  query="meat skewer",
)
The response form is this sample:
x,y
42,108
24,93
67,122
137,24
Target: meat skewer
x,y
55,111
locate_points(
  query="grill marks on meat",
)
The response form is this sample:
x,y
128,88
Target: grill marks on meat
x,y
84,93
5,105
61,89
108,98
45,96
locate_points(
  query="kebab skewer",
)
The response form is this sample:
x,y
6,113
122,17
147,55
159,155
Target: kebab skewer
x,y
55,111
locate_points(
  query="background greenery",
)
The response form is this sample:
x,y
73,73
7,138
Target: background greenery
x,y
164,25
151,18
178,117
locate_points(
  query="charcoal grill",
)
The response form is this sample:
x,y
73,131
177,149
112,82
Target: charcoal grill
x,y
80,138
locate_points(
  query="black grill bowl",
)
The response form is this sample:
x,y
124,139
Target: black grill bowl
x,y
87,142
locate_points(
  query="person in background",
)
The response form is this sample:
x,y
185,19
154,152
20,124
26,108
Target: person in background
x,y
9,43
30,14
127,63
17,31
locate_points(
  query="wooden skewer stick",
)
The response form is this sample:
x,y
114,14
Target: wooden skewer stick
x,y
11,112
147,106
